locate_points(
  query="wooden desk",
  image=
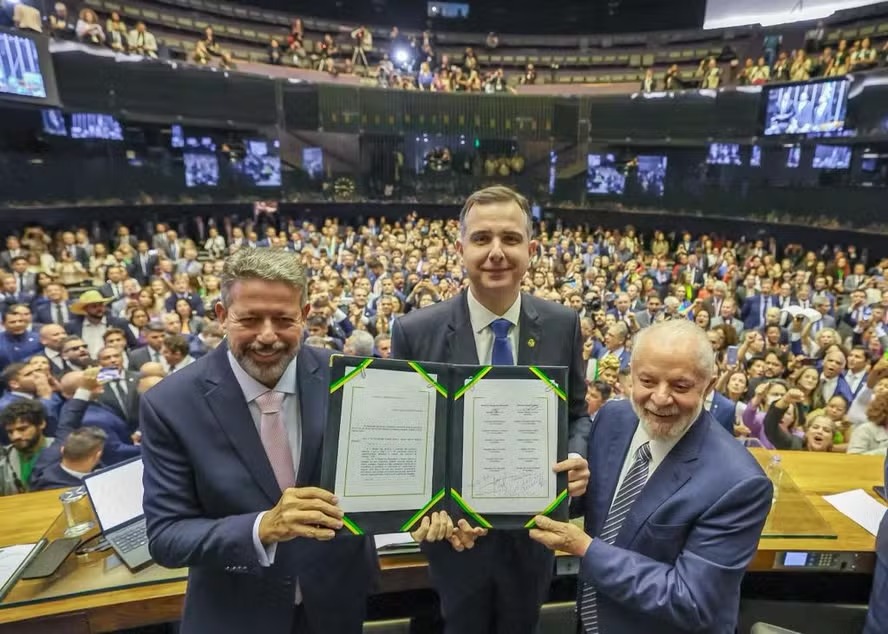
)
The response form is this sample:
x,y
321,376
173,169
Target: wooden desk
x,y
26,517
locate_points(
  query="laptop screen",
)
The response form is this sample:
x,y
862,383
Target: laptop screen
x,y
116,494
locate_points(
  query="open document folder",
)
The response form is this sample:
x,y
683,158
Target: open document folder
x,y
404,439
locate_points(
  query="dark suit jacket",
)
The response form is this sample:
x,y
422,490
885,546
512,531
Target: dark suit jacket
x,y
443,333
139,357
142,274
751,311
75,327
54,477
119,446
130,411
877,615
45,313
724,411
681,553
207,478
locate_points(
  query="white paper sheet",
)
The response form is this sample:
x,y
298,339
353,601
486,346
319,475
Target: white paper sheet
x,y
510,442
859,506
386,442
390,541
11,557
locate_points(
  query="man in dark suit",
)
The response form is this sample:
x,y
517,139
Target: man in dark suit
x,y
152,351
121,395
113,286
723,410
13,250
181,291
494,323
754,309
877,615
57,309
232,459
79,455
51,338
675,510
25,281
143,264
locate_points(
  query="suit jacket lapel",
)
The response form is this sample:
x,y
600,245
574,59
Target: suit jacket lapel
x,y
460,336
613,457
225,400
669,477
529,332
312,416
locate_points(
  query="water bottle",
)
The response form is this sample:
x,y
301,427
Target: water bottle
x,y
775,474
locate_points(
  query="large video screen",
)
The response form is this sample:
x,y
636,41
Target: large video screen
x,y
95,126
25,68
724,154
804,108
723,14
652,175
832,157
793,156
201,169
261,164
54,122
603,176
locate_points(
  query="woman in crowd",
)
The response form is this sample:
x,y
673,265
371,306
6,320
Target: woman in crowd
x,y
191,323
871,437
781,426
138,318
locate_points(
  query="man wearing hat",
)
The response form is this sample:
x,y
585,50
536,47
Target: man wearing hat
x,y
92,321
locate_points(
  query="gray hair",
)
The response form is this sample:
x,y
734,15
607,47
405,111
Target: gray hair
x,y
362,343
688,334
82,443
492,195
263,264
671,302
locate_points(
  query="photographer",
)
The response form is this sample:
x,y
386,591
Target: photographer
x,y
362,40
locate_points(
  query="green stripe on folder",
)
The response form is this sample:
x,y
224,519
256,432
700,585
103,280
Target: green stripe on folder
x,y
350,525
429,379
552,506
418,515
469,510
348,377
545,379
471,382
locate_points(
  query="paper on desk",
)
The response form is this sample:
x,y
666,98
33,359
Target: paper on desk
x,y
860,507
392,540
11,560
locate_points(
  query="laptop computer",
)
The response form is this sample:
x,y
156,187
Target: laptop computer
x,y
116,497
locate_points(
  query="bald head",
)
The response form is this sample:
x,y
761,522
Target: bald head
x,y
152,368
147,382
70,382
683,336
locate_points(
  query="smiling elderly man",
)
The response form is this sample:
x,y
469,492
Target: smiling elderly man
x,y
675,506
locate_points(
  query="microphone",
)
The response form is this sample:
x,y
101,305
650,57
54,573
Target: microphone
x,y
20,487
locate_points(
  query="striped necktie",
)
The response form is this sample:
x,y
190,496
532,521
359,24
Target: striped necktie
x,y
632,485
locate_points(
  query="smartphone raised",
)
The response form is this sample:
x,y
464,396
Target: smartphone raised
x,y
731,355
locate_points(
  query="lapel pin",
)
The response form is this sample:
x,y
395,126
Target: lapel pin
x,y
531,343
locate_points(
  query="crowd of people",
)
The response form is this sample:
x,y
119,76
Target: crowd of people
x,y
799,335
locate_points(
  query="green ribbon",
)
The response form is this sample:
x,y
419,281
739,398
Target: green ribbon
x,y
469,510
421,512
348,377
471,382
552,506
418,368
545,379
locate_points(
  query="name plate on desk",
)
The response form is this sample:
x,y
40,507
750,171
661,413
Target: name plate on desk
x,y
825,561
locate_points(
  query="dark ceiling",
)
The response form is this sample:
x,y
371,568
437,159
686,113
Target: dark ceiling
x,y
509,16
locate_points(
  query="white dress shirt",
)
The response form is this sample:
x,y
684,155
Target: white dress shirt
x,y
253,389
828,388
481,319
854,380
660,448
94,335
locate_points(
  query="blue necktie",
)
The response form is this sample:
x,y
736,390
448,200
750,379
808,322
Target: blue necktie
x,y
630,489
502,347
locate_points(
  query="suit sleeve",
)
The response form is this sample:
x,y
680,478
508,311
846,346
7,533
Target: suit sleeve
x,y
701,589
400,347
179,534
579,423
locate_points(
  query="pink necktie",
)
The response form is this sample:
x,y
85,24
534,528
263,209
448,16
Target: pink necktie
x,y
274,438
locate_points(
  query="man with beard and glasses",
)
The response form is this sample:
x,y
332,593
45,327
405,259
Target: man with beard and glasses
x,y
232,451
675,506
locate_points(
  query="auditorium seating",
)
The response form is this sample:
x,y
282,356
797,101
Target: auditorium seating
x,y
612,59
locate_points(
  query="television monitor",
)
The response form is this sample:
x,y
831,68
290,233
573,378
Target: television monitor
x,y
652,174
755,156
95,126
201,169
448,9
177,136
54,122
818,106
26,68
793,156
724,154
832,157
313,162
603,176
261,164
